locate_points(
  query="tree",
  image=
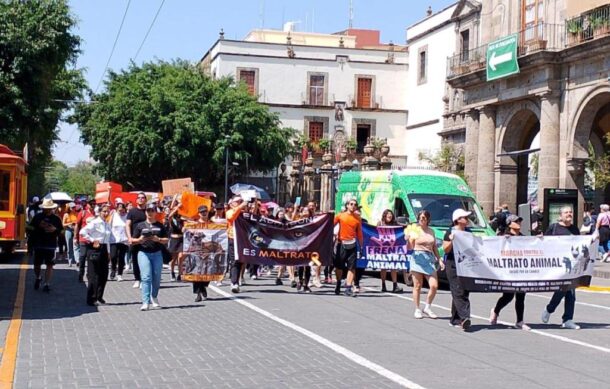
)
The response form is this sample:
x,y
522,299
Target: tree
x,y
166,120
450,158
78,179
37,83
55,176
598,167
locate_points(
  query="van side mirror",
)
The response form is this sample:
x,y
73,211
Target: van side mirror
x,y
20,209
402,220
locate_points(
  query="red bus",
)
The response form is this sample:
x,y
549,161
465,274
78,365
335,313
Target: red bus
x,y
13,199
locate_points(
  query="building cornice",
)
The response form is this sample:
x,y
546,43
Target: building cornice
x,y
297,58
332,108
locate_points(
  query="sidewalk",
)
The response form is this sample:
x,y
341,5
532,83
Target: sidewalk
x,y
602,270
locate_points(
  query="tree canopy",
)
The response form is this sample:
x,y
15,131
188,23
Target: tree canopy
x,y
37,79
78,179
166,120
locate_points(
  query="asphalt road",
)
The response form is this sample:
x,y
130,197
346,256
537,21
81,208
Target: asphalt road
x,y
270,336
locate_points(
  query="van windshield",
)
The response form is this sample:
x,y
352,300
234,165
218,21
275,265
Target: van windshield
x,y
441,208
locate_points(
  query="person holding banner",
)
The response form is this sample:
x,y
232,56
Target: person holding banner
x,y
425,257
460,302
237,206
350,234
563,227
389,219
199,287
514,229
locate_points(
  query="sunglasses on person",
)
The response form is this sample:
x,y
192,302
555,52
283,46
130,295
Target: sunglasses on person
x,y
354,204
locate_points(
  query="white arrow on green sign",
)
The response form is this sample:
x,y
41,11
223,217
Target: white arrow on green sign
x,y
502,58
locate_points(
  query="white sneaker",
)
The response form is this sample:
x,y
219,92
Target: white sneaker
x,y
418,314
136,285
218,283
155,302
570,325
429,312
254,277
545,316
166,266
316,282
521,325
144,307
119,278
234,288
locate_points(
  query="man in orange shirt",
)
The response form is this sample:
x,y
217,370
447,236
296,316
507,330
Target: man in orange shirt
x,y
350,234
237,206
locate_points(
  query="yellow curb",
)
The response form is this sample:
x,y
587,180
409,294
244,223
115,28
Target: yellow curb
x,y
11,344
594,288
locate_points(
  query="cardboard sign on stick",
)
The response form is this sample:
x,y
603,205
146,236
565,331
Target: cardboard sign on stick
x,y
190,203
177,186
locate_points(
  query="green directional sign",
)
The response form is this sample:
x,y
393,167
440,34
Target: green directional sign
x,y
502,58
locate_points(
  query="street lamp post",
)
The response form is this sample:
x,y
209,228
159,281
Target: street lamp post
x,y
227,137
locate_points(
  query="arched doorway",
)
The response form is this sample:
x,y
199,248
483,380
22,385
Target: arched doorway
x,y
591,144
514,170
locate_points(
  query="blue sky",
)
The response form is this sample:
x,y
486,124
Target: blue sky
x,y
187,28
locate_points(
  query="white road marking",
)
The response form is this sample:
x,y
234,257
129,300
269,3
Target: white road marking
x,y
577,302
538,332
360,360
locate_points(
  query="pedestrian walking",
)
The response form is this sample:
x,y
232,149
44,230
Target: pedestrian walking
x,y
69,223
135,216
564,226
176,241
237,205
119,242
425,260
45,227
460,302
514,229
150,236
97,234
389,219
603,227
350,235
85,213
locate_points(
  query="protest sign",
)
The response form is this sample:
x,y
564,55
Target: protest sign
x,y
205,253
269,242
385,247
190,203
523,263
176,186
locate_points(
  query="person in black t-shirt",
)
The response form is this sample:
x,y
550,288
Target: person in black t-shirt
x,y
134,216
563,227
45,228
150,236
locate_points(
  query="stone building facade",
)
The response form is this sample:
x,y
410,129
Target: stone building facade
x,y
561,96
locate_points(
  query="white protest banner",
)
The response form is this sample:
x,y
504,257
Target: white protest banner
x,y
523,263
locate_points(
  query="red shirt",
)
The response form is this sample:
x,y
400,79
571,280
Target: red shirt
x,y
81,221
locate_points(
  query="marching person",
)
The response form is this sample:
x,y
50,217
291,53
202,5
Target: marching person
x,y
237,206
388,219
460,303
425,258
69,223
135,216
83,215
119,242
565,226
350,234
304,272
514,229
45,227
97,234
602,225
149,236
176,241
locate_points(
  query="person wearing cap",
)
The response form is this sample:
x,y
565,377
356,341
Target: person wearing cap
x,y
135,216
97,234
150,236
237,206
513,225
69,223
45,228
460,303
565,226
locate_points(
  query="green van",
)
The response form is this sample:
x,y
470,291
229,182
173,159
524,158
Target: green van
x,y
406,192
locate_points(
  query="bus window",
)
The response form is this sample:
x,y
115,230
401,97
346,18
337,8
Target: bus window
x,y
401,211
5,187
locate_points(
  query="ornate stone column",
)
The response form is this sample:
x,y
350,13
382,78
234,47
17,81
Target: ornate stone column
x,y
548,164
471,147
486,159
326,182
308,184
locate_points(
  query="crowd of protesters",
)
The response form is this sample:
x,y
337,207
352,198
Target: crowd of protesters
x,y
106,239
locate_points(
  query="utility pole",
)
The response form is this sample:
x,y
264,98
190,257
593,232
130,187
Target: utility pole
x,y
227,137
351,13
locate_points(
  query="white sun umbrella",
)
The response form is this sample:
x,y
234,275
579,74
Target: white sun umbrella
x,y
59,197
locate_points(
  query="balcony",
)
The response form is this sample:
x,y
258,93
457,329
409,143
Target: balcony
x,y
593,24
539,37
375,102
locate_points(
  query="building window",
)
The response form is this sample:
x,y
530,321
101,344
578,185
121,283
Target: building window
x,y
455,138
249,78
363,133
532,19
465,49
316,89
365,85
422,65
316,131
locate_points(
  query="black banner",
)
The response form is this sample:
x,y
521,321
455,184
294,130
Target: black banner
x,y
269,242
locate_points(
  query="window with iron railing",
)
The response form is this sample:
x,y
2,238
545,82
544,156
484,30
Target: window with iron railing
x,y
532,19
316,131
365,86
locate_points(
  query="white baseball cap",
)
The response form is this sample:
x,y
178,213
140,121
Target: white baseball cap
x,y
458,213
